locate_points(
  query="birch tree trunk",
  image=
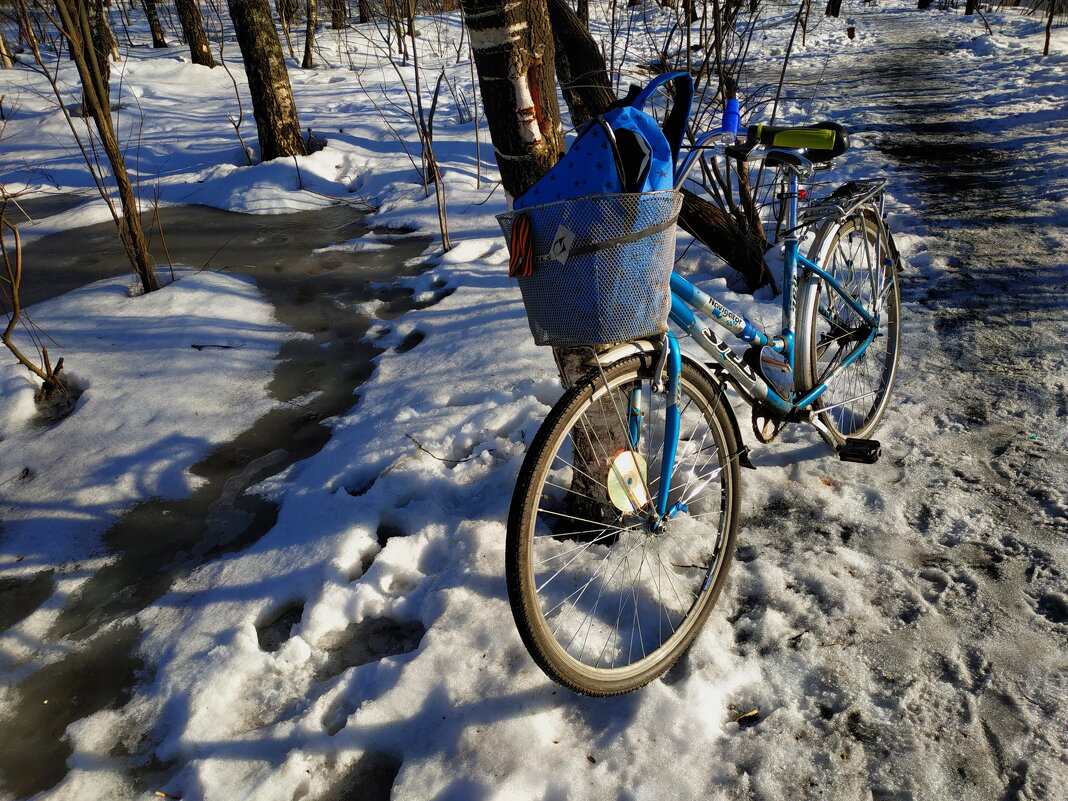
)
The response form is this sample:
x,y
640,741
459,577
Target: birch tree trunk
x,y
268,81
5,53
514,56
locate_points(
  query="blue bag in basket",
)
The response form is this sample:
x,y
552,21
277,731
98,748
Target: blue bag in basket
x,y
623,150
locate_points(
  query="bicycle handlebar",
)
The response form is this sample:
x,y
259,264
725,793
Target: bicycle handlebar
x,y
820,142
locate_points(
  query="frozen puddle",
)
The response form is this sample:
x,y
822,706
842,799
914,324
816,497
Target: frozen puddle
x,y
334,296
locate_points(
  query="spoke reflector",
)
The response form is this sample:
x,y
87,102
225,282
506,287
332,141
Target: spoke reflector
x,y
628,478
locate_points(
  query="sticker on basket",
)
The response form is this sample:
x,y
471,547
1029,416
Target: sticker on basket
x,y
561,246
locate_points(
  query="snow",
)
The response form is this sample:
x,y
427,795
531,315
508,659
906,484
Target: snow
x,y
164,377
898,629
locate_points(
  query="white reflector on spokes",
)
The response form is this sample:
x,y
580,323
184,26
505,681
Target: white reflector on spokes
x,y
628,482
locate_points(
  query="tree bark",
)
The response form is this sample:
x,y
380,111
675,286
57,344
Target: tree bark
x,y
339,14
741,247
580,67
287,10
309,37
5,53
98,45
582,11
1049,27
93,71
268,81
151,14
514,56
689,8
365,11
192,23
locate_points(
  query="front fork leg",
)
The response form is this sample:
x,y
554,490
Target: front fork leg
x,y
671,429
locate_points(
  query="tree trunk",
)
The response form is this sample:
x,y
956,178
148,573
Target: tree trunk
x,y
268,80
580,67
582,11
834,8
515,63
742,248
1049,26
93,71
365,11
339,14
689,9
27,36
309,37
514,59
971,6
158,38
95,45
193,27
287,10
5,53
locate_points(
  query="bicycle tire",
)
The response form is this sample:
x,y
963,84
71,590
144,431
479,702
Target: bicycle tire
x,y
860,254
584,570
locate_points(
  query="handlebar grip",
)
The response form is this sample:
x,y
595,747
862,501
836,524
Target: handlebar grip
x,y
823,141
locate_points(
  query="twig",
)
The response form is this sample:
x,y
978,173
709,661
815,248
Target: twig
x,y
439,458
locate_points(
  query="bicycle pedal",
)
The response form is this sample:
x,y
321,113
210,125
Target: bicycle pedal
x,y
864,451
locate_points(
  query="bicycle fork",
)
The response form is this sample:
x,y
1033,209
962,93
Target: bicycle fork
x,y
665,380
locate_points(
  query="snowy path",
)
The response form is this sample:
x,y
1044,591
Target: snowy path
x,y
972,511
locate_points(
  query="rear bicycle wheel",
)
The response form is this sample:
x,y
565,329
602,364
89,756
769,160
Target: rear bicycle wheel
x,y
604,598
861,256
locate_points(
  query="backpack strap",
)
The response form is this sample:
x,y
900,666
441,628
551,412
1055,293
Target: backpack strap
x,y
674,126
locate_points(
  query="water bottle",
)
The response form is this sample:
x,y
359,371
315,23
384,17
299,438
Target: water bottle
x,y
732,121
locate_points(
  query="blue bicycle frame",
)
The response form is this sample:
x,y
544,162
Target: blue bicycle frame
x,y
686,299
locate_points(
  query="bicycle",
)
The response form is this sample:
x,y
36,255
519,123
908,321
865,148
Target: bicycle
x,y
609,577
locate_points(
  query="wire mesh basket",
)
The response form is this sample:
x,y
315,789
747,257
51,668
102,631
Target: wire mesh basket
x,y
602,266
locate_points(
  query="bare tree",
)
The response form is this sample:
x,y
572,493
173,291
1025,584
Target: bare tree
x,y
5,53
287,12
580,66
514,56
1054,7
309,36
339,14
192,23
76,24
152,15
268,80
52,384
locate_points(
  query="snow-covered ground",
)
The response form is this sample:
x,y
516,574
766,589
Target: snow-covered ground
x,y
899,629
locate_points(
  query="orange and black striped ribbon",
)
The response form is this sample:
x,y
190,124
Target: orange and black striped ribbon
x,y
521,258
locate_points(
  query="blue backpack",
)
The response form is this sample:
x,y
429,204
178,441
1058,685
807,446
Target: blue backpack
x,y
622,150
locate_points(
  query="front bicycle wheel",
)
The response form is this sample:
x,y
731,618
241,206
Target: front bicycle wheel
x,y
860,255
605,594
